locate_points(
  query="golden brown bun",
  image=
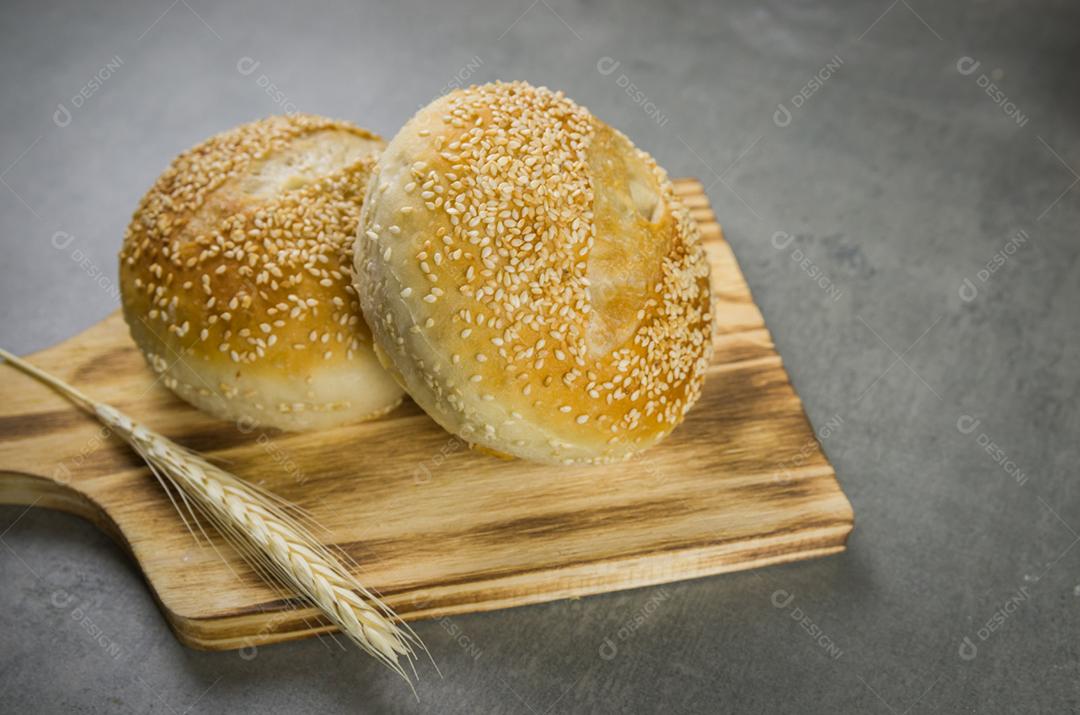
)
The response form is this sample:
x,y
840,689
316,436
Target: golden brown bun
x,y
531,279
236,276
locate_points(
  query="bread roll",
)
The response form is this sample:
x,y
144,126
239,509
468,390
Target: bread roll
x,y
531,278
236,276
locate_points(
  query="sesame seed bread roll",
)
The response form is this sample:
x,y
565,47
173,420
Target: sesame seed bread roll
x,y
531,279
236,276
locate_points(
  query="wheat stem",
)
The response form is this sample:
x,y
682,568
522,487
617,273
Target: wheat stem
x,y
260,526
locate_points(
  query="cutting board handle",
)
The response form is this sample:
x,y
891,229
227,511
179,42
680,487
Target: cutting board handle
x,y
52,452
28,490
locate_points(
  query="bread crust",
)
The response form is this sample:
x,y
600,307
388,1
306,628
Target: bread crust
x,y
236,276
531,278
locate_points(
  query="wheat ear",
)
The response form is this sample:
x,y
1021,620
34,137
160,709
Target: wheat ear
x,y
261,527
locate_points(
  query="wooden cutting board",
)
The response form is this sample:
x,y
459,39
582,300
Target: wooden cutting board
x,y
436,528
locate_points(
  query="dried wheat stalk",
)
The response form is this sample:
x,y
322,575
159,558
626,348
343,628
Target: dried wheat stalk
x,y
267,531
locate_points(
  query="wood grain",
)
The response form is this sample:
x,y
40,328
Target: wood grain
x,y
436,528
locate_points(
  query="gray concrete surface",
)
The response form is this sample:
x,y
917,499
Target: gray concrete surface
x,y
857,215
